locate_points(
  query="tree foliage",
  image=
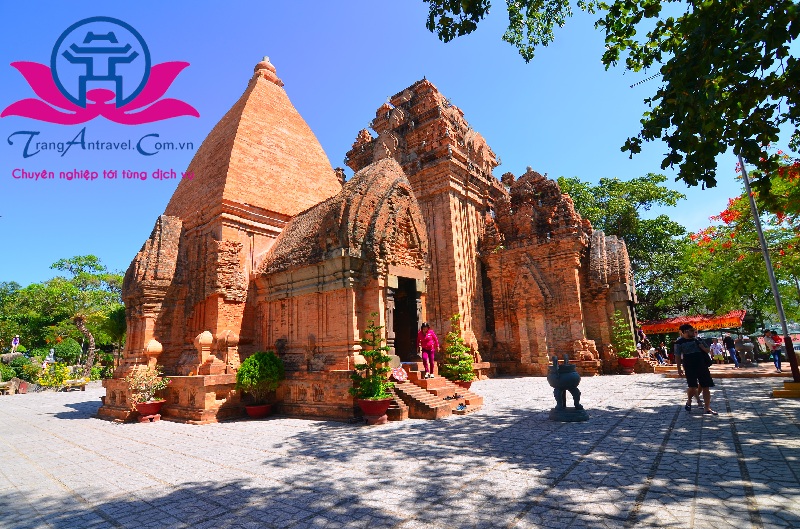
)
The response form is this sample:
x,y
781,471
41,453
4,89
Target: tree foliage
x,y
622,336
530,23
729,76
371,378
457,364
616,207
67,351
75,305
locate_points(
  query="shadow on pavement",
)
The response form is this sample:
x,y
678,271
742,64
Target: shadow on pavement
x,y
649,463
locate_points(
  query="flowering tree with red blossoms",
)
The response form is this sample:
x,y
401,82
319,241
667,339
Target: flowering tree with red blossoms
x,y
726,257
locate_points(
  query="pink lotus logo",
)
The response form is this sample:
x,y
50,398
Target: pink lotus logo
x,y
100,66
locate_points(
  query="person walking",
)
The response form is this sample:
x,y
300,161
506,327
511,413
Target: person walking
x,y
691,355
777,349
15,343
427,345
717,349
730,345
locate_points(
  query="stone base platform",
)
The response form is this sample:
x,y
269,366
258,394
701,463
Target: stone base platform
x,y
763,370
569,414
790,390
587,368
484,370
199,399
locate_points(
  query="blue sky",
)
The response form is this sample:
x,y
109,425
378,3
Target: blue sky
x,y
562,114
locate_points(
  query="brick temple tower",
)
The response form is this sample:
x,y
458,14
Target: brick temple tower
x,y
450,168
189,291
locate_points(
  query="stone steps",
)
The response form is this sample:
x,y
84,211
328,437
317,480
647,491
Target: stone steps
x,y
432,392
398,411
422,404
790,390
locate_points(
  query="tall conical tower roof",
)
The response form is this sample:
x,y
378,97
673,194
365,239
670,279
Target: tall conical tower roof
x,y
261,154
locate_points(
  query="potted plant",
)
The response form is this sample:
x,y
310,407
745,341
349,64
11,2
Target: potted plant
x,y
371,379
622,340
259,376
457,364
143,383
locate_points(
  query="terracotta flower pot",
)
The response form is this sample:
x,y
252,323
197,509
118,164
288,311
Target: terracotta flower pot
x,y
258,412
23,387
463,384
626,365
149,408
375,410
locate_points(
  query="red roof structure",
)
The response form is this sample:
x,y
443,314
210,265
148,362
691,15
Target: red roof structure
x,y
730,320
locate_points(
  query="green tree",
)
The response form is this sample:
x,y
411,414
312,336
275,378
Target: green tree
x,y
622,336
733,271
371,378
9,326
86,296
729,76
115,326
457,365
67,351
616,206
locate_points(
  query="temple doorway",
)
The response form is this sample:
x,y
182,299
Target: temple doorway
x,y
405,323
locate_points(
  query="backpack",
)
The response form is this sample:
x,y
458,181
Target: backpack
x,y
692,347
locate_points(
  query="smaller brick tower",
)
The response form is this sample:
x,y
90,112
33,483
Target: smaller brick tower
x,y
450,168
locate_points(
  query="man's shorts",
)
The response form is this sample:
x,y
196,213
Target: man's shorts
x,y
696,371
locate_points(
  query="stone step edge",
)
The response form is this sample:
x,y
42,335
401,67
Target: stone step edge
x,y
420,395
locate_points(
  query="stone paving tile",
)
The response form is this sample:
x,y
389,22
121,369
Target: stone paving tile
x,y
640,461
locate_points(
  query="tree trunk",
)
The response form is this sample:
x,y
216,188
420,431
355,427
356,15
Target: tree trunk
x,y
80,323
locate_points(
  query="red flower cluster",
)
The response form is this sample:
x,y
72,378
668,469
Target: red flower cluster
x,y
790,172
731,213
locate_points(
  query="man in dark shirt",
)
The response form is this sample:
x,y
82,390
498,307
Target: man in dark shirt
x,y
731,347
691,355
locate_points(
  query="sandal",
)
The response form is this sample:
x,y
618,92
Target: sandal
x,y
710,412
688,407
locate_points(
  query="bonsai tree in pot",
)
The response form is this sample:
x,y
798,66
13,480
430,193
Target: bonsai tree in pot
x,y
143,383
622,340
259,376
371,379
457,365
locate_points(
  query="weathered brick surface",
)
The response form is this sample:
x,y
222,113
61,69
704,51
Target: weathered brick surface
x,y
261,153
449,166
550,275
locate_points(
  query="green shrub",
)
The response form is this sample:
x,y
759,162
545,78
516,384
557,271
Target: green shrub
x,y
39,352
54,376
20,361
68,351
622,336
457,365
22,349
371,379
260,375
30,372
6,372
18,364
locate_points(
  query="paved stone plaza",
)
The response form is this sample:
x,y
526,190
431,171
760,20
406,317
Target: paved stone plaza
x,y
641,460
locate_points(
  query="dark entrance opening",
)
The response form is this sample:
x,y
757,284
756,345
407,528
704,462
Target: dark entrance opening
x,y
405,319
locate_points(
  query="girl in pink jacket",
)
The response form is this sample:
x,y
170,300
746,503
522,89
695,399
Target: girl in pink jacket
x,y
427,345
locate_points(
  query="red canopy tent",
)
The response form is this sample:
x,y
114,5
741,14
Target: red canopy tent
x,y
731,320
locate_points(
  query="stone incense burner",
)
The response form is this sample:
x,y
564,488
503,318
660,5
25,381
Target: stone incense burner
x,y
563,378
